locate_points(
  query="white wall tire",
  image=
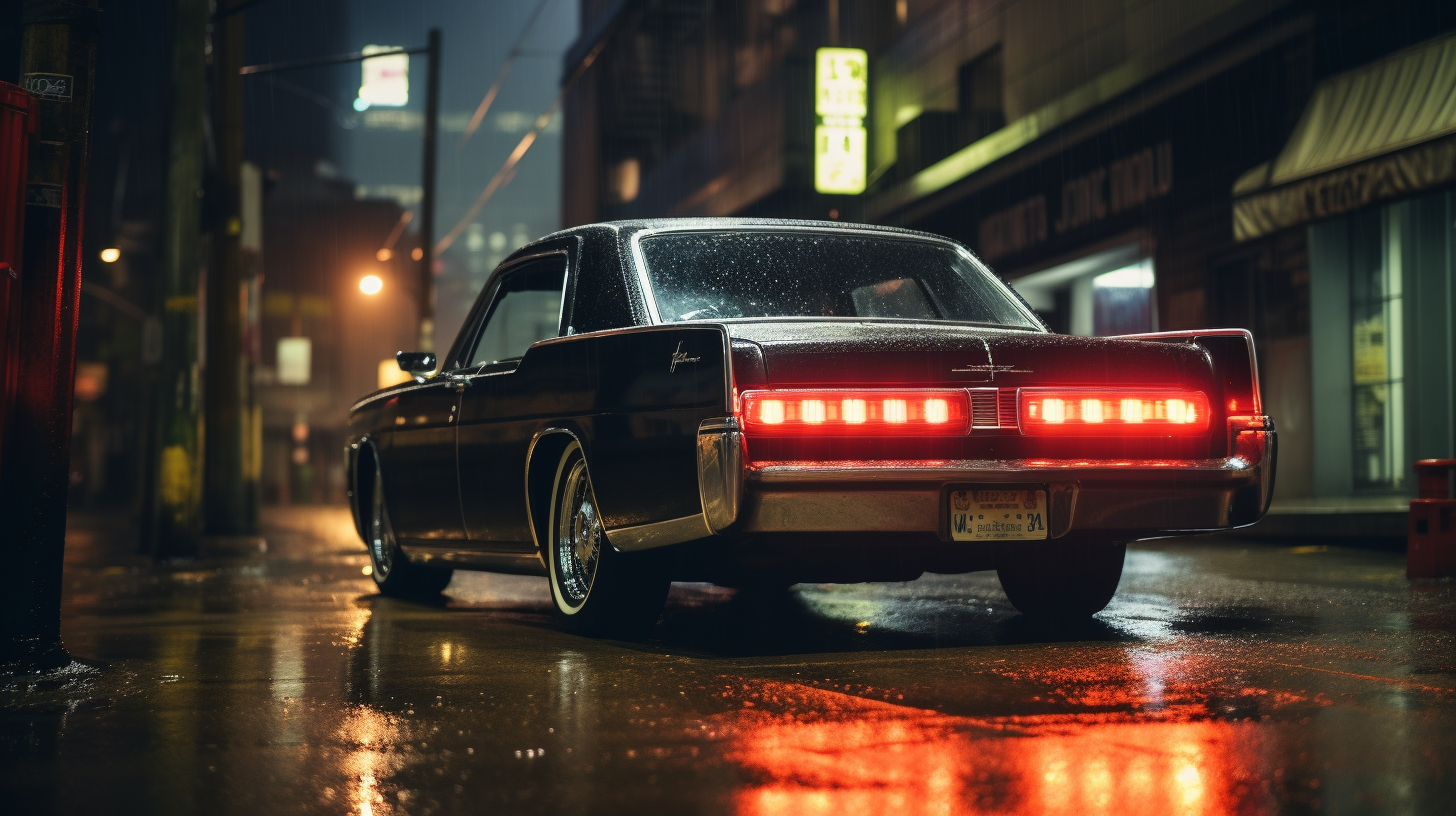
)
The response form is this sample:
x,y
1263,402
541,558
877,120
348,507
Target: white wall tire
x,y
596,589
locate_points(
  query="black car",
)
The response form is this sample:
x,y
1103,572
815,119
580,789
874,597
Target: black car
x,y
757,402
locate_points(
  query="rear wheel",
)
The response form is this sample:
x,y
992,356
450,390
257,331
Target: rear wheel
x,y
1063,579
597,589
394,574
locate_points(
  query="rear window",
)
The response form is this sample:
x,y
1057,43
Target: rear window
x,y
746,274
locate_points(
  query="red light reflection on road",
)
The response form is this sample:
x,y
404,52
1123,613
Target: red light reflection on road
x,y
916,762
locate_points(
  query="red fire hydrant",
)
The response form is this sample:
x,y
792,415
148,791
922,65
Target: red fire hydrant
x,y
1431,537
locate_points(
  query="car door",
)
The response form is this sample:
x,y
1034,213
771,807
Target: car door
x,y
422,493
501,405
421,476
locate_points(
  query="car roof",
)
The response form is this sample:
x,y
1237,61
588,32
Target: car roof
x,y
626,228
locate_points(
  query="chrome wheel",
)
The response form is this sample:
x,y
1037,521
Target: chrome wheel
x,y
579,536
381,538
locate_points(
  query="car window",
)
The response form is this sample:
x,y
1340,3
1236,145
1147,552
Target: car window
x,y
896,297
599,298
525,310
747,273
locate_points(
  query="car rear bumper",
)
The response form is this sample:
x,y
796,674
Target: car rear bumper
x,y
1139,498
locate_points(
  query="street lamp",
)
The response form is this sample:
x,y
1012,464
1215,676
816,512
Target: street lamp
x,y
110,255
370,284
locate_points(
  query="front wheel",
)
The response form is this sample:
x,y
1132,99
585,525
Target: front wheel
x,y
393,572
597,589
1063,579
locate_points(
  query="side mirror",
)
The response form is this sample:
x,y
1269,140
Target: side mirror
x,y
415,363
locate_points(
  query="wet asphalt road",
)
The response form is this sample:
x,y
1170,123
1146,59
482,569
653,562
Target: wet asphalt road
x,y
1226,677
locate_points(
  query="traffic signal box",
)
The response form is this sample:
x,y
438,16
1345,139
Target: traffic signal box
x,y
1431,538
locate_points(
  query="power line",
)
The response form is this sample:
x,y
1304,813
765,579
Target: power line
x,y
314,62
500,77
507,170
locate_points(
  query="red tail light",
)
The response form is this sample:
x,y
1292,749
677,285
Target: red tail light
x,y
879,412
1113,412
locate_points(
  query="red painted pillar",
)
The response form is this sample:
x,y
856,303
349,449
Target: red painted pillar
x,y
17,121
57,58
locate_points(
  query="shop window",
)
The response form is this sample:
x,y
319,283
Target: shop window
x,y
1377,351
1104,294
1382,359
1122,300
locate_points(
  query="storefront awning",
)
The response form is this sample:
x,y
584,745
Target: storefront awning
x,y
1382,131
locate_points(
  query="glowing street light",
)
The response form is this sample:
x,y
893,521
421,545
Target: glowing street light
x,y
370,284
384,254
110,255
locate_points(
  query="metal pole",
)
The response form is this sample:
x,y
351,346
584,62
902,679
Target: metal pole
x,y
174,518
427,203
226,415
58,58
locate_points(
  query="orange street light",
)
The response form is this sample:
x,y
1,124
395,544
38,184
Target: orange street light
x,y
370,284
110,255
384,254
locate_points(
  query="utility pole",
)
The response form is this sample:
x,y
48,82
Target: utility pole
x,y
228,417
174,520
58,59
427,203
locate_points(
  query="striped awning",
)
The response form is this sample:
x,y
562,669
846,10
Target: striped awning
x,y
1380,132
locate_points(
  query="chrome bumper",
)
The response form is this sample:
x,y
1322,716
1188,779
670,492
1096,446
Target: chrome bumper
x,y
1137,498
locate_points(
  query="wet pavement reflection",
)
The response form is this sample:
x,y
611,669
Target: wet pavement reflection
x,y
1227,677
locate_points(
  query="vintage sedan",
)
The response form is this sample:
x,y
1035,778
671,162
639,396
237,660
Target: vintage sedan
x,y
757,402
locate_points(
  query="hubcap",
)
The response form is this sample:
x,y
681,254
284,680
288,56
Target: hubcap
x,y
381,540
578,537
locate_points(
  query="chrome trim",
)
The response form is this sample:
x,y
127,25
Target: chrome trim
x,y
650,298
414,386
892,509
990,368
995,394
508,266
1137,498
1192,336
659,533
720,471
955,470
1243,424
729,423
1262,422
678,358
865,321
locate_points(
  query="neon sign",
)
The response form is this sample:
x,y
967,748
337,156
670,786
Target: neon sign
x,y
841,94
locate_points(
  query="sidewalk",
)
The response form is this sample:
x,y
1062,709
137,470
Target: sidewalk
x,y
1365,521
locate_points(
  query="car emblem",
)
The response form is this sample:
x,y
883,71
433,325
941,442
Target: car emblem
x,y
679,357
990,368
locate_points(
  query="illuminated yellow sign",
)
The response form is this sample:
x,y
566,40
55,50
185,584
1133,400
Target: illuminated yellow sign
x,y
841,94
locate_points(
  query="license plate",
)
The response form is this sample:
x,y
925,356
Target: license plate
x,y
997,515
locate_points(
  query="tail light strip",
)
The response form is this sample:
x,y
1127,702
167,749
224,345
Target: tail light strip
x,y
954,412
1113,412
876,412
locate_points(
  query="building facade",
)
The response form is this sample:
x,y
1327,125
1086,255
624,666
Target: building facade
x,y
1281,166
